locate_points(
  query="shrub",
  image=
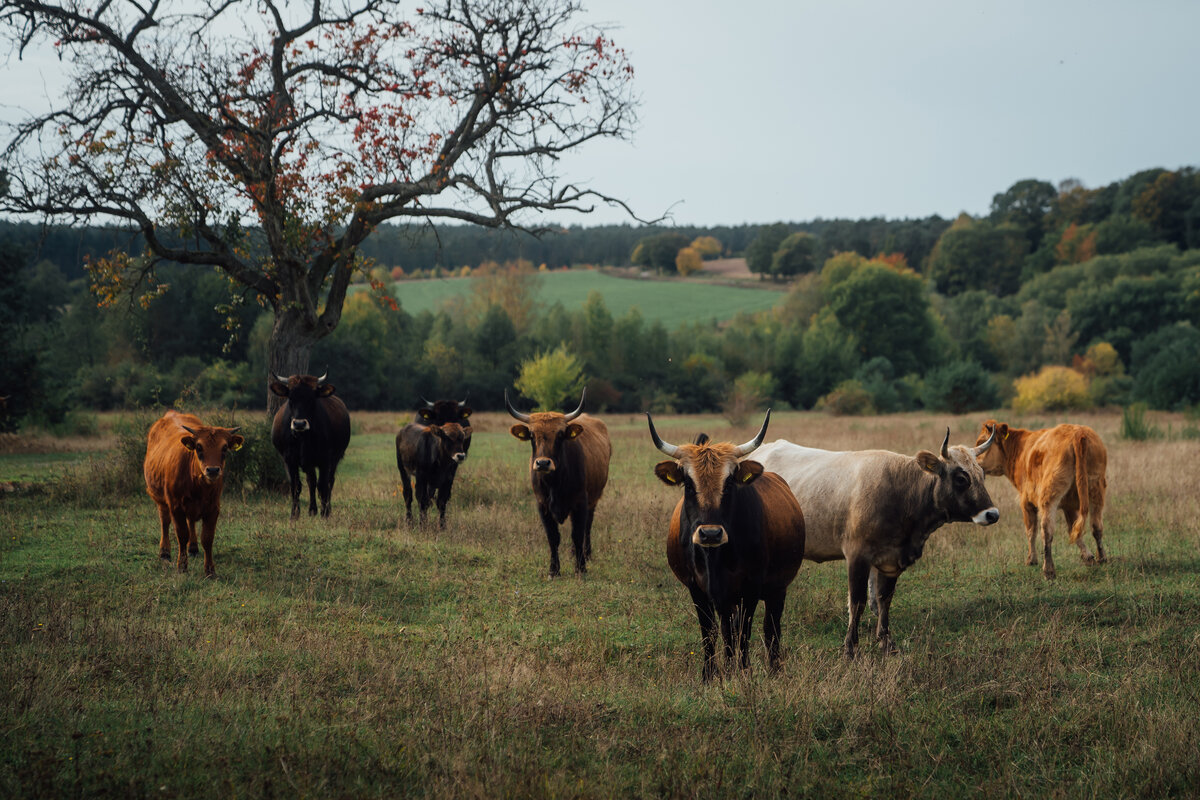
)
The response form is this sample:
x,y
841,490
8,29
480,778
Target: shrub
x,y
848,398
1053,388
1166,366
1135,426
551,378
959,387
751,390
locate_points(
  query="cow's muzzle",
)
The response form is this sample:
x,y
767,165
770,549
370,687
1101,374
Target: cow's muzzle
x,y
212,473
299,425
543,464
459,458
709,535
986,517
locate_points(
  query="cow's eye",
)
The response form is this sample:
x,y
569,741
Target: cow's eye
x,y
960,481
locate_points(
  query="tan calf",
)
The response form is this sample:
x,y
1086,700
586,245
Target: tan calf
x,y
1060,467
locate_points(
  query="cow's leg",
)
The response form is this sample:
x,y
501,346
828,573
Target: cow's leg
x,y
310,476
1046,518
423,494
708,632
1029,513
208,529
181,523
552,537
744,616
325,487
580,515
193,542
858,572
885,588
1096,500
587,537
294,479
1076,522
772,614
406,486
164,540
443,497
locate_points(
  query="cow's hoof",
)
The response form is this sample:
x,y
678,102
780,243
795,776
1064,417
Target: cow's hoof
x,y
193,551
1031,562
1049,574
850,652
1088,559
888,647
210,576
165,556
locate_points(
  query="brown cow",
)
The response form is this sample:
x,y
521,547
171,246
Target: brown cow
x,y
185,473
569,470
736,536
429,455
1059,467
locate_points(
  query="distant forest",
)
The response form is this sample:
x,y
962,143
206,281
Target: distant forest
x,y
1060,297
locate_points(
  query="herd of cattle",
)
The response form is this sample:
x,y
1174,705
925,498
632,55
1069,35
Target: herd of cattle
x,y
739,533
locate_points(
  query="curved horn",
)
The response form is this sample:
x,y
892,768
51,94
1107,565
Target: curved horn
x,y
279,378
752,445
234,430
321,379
517,415
666,447
578,411
192,431
946,444
426,402
983,448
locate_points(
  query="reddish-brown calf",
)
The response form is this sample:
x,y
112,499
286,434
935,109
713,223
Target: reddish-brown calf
x,y
185,472
1060,467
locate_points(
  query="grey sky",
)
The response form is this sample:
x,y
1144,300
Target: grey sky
x,y
761,111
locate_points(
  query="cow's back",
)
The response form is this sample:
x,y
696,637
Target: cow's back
x,y
838,492
597,452
167,460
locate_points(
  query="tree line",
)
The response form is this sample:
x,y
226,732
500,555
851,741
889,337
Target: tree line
x,y
1060,297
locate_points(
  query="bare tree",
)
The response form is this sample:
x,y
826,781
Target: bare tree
x,y
269,138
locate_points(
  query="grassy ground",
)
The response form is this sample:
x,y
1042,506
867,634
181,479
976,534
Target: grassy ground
x,y
359,657
671,302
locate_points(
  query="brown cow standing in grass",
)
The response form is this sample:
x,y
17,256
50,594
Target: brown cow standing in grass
x,y
736,536
569,470
429,455
185,473
1060,467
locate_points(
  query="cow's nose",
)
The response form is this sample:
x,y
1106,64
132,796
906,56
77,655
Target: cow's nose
x,y
986,517
460,457
299,424
710,535
212,472
543,464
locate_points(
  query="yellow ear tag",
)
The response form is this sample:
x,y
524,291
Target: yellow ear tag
x,y
573,433
749,476
236,447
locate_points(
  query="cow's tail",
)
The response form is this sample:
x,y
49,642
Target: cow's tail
x,y
1081,485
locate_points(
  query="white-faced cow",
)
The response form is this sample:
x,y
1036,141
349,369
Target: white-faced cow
x,y
429,455
736,536
1060,467
569,470
876,509
311,432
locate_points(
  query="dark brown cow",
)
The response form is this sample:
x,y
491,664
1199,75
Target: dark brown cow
x,y
431,453
876,509
1060,467
184,470
441,412
736,536
569,470
311,431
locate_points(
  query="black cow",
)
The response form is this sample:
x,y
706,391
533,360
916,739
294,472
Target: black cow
x,y
311,431
432,454
441,412
569,470
736,536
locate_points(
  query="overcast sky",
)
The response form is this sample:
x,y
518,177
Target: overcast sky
x,y
759,111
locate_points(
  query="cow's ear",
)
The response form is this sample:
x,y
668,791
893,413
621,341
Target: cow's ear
x,y
425,414
325,389
521,432
748,471
188,441
573,430
1001,431
278,388
464,412
930,462
236,441
669,472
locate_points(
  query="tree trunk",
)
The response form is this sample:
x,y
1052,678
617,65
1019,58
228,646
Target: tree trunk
x,y
288,352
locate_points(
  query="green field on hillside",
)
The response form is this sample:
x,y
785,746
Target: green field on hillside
x,y
669,302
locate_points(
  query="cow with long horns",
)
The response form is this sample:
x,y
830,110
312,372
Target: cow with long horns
x,y
185,473
311,431
569,470
736,536
876,509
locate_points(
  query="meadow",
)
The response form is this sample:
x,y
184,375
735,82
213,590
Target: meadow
x,y
672,302
362,657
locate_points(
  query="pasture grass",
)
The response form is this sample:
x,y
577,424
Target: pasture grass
x,y
361,657
671,302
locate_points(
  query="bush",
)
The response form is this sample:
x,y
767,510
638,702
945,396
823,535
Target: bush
x,y
1166,366
551,378
1053,388
1134,425
959,387
751,391
848,398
